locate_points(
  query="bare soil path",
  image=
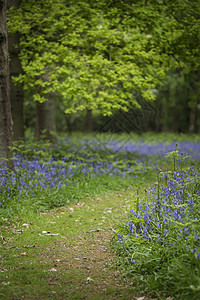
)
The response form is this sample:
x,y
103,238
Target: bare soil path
x,y
65,253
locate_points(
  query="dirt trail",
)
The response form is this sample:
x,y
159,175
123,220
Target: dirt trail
x,y
91,273
90,266
71,248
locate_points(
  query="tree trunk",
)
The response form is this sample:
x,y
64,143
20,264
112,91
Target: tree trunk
x,y
192,118
46,118
5,109
16,91
89,121
69,126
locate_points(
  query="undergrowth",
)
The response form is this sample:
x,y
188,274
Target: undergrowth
x,y
159,243
47,176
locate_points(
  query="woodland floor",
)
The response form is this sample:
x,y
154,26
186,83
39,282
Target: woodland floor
x,y
65,253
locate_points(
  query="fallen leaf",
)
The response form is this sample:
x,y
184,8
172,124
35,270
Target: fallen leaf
x,y
52,234
23,254
89,279
108,211
27,225
53,270
5,283
18,231
2,238
12,246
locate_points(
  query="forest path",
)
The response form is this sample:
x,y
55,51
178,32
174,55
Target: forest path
x,y
65,253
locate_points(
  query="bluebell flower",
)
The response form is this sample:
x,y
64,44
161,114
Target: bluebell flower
x,y
194,250
133,260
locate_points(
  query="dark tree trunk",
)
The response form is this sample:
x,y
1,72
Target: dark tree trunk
x,y
192,118
5,109
69,125
16,90
46,118
193,102
89,121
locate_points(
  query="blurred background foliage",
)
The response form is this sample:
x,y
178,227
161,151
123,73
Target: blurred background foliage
x,y
176,109
118,66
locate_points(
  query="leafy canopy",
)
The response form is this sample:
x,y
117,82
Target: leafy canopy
x,y
101,54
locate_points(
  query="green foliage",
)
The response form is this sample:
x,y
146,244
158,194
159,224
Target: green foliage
x,y
159,244
175,99
94,56
185,45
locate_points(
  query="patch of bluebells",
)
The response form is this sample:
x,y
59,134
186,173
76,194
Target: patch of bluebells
x,y
145,149
161,149
170,217
89,158
140,155
38,174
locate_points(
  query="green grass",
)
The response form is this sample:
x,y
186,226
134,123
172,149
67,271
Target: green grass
x,y
85,187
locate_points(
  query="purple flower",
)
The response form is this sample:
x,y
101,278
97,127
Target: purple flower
x,y
133,260
195,250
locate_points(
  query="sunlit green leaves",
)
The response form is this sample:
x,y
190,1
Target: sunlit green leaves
x,y
98,55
